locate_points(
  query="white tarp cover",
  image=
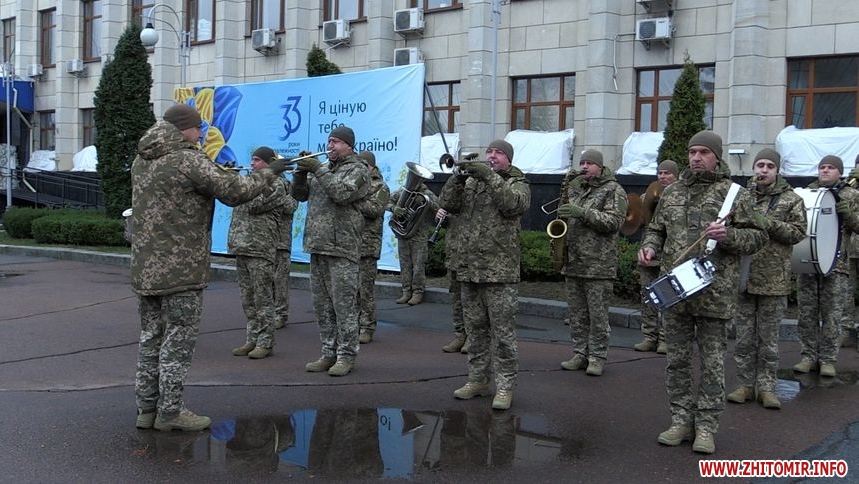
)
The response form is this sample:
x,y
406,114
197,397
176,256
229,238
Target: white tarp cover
x,y
42,160
432,147
639,153
85,159
540,151
802,149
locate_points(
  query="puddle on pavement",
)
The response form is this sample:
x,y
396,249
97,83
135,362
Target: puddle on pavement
x,y
790,383
358,443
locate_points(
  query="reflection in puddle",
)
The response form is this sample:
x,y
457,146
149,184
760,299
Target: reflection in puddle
x,y
358,443
790,383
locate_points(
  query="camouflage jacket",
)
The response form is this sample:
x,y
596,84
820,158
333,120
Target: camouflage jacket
x,y
284,222
174,187
428,211
373,209
255,225
488,224
592,238
334,225
684,211
452,244
784,210
849,223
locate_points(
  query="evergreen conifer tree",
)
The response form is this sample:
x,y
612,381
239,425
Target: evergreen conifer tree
x,y
685,116
122,114
319,65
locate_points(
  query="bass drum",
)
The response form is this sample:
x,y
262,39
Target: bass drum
x,y
818,252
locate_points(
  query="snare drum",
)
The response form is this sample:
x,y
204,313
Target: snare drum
x,y
818,252
681,282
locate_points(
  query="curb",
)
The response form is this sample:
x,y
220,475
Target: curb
x,y
545,308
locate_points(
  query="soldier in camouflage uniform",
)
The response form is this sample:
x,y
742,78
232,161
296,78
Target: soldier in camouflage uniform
x,y
594,212
412,250
651,325
373,209
253,237
332,237
174,187
763,302
490,201
688,209
452,253
848,320
283,258
822,298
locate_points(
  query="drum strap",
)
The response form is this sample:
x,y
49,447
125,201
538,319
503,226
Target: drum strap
x,y
724,211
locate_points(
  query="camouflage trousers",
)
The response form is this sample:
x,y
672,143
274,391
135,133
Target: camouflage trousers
x,y
651,320
756,353
848,319
334,290
281,284
489,310
413,260
587,301
700,407
256,289
168,334
821,301
367,294
455,290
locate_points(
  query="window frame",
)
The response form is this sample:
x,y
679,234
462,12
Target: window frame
x,y
49,132
90,21
255,20
424,4
562,103
192,20
46,37
331,10
139,9
809,92
9,25
88,128
656,98
450,110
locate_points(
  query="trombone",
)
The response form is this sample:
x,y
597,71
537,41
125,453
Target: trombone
x,y
556,228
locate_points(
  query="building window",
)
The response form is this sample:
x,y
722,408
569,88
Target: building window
x,y
47,26
47,130
544,103
345,9
88,127
267,14
8,39
139,8
655,89
201,20
822,92
435,4
92,29
441,108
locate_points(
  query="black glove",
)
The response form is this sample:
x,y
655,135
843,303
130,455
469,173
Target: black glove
x,y
280,165
309,164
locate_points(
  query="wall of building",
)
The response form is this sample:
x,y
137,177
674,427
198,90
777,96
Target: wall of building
x,y
749,42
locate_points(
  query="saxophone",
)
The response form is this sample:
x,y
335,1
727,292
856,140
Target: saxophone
x,y
558,245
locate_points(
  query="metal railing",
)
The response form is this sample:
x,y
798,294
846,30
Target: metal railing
x,y
58,188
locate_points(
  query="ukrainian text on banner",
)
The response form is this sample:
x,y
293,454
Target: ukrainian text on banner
x,y
383,106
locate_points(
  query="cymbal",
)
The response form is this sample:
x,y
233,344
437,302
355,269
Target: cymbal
x,y
634,214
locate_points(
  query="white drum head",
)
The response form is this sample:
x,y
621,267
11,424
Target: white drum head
x,y
818,252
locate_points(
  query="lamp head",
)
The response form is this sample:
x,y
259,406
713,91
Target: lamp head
x,y
149,36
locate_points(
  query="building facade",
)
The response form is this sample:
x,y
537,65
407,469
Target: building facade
x,y
604,68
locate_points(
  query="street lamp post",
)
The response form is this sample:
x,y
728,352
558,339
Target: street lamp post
x,y
149,37
8,79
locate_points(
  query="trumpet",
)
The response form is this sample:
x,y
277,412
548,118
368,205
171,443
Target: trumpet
x,y
556,228
305,156
447,161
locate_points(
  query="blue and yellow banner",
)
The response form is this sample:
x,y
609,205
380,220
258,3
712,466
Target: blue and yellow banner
x,y
383,106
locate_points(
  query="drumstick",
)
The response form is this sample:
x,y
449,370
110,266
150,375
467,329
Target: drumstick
x,y
700,239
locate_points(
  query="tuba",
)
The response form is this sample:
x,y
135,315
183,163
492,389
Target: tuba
x,y
415,203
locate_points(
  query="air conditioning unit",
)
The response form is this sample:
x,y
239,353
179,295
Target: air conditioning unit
x,y
263,40
336,32
75,66
653,29
409,20
408,55
35,70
